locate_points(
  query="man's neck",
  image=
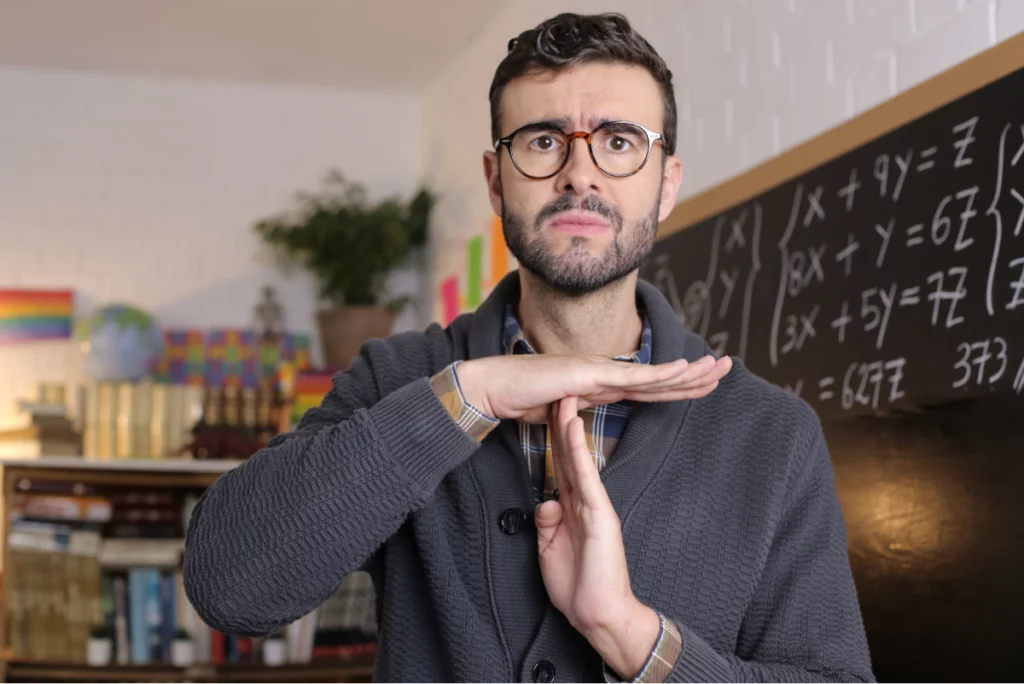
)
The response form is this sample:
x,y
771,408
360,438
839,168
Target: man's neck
x,y
603,323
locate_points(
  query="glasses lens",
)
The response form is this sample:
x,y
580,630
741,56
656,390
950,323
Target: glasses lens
x,y
539,152
620,148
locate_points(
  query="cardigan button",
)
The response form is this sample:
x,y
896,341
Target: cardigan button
x,y
544,672
512,520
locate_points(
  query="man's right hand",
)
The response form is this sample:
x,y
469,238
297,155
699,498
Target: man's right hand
x,y
522,387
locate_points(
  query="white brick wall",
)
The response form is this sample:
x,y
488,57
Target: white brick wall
x,y
145,191
753,77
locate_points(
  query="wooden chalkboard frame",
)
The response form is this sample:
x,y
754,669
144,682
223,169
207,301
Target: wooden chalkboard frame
x,y
957,81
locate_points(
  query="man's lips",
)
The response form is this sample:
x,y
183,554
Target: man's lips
x,y
579,224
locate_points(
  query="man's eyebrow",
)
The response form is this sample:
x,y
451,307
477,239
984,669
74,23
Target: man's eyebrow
x,y
560,124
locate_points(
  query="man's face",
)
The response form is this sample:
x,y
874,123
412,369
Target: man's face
x,y
582,229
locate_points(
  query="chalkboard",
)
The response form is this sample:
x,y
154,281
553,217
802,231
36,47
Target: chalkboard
x,y
888,277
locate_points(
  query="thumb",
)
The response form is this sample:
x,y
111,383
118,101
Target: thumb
x,y
546,517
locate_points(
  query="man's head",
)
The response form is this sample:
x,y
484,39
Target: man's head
x,y
582,218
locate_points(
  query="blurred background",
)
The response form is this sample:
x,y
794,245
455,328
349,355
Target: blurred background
x,y
186,194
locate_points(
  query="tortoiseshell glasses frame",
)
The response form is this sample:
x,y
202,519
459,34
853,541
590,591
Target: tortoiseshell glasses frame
x,y
624,148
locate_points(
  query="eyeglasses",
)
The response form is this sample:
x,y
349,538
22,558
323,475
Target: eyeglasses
x,y
618,148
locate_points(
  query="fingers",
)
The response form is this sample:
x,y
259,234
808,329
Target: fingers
x,y
547,517
678,394
586,480
634,376
629,374
696,380
563,412
693,374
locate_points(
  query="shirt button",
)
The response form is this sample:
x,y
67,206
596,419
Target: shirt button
x,y
512,520
544,672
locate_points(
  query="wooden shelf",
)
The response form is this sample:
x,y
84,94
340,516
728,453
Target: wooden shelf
x,y
161,474
139,465
356,669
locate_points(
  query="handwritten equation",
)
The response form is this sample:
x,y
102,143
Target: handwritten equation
x,y
893,274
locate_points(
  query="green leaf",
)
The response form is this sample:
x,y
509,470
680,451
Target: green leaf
x,y
348,244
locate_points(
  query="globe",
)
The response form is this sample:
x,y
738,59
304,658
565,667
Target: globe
x,y
119,343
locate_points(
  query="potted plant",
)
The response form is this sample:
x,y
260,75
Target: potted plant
x,y
101,645
350,245
183,652
274,649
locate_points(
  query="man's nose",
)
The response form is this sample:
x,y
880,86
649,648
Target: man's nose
x,y
580,174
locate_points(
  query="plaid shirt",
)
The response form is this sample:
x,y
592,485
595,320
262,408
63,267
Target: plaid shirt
x,y
603,426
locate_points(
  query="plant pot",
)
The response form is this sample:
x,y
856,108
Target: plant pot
x,y
343,329
98,652
183,652
273,652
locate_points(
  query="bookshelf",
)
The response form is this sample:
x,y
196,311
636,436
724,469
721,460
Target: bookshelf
x,y
50,484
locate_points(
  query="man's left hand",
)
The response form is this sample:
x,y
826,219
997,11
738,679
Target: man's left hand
x,y
582,556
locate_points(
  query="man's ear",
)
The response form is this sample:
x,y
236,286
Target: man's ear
x,y
492,173
672,177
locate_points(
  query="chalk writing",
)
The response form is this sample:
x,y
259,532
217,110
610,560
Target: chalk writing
x,y
849,190
979,354
891,274
961,144
863,383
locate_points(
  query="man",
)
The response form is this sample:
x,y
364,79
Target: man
x,y
564,485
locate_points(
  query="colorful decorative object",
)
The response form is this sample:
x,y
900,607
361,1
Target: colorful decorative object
x,y
310,389
183,359
229,357
119,343
30,315
466,289
475,271
450,298
229,353
499,252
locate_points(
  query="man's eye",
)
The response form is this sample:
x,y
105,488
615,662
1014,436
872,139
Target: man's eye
x,y
619,144
544,143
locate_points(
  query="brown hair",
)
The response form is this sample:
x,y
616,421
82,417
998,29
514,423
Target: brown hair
x,y
571,39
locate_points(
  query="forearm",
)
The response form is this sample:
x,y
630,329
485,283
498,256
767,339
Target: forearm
x,y
271,540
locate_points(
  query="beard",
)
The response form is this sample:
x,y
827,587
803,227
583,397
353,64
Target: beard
x,y
577,271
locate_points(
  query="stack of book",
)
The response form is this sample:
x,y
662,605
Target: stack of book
x,y
47,429
86,559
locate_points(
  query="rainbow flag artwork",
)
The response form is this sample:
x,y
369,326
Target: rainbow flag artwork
x,y
32,315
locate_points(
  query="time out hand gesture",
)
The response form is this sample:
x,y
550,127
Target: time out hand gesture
x,y
582,556
522,387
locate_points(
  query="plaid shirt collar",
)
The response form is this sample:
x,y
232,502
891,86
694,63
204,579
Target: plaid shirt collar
x,y
515,342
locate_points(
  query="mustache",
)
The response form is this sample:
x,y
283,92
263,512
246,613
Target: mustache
x,y
591,203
